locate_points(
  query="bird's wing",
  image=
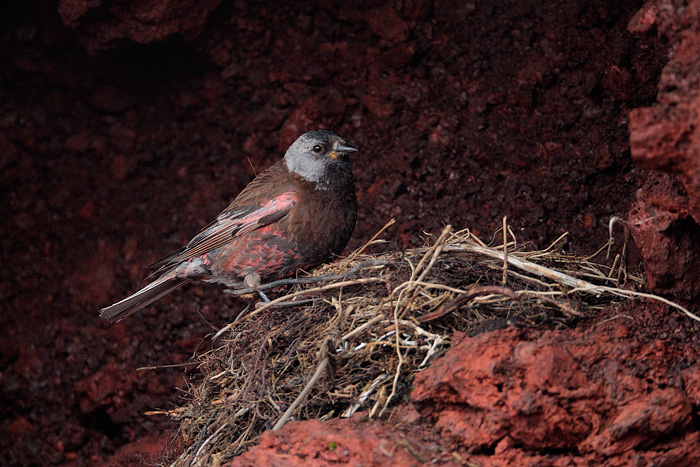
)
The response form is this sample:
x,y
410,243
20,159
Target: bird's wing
x,y
236,220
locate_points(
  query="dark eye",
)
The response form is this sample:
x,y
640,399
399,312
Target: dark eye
x,y
317,149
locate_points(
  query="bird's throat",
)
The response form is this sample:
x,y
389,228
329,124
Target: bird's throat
x,y
310,169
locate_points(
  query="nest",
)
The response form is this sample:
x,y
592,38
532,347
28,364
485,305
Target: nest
x,y
352,336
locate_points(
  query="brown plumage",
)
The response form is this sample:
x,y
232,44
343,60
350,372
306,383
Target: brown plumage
x,y
297,214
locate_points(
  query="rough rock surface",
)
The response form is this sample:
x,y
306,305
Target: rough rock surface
x,y
665,137
106,25
667,235
595,399
463,114
339,442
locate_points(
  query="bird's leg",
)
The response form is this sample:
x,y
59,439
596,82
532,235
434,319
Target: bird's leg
x,y
252,280
263,296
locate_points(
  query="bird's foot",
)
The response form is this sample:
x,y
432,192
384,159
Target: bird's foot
x,y
263,296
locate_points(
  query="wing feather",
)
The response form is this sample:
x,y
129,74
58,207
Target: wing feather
x,y
227,226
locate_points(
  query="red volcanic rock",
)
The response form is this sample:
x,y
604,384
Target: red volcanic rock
x,y
337,442
92,281
589,396
385,23
538,91
101,387
20,427
667,236
102,25
146,451
328,106
666,137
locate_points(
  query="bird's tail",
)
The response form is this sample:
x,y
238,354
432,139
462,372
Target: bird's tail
x,y
144,297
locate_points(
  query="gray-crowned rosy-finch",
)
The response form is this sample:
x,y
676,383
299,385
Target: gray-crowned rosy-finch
x,y
297,214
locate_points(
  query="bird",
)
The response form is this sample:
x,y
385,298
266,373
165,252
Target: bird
x,y
298,214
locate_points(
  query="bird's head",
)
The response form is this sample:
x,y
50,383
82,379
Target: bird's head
x,y
313,152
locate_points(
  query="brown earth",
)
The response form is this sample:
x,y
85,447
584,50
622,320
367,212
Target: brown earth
x,y
125,129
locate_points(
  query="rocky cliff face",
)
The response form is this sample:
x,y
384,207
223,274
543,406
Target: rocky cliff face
x,y
126,127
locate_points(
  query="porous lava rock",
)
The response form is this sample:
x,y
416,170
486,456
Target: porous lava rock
x,y
338,442
665,137
515,397
464,113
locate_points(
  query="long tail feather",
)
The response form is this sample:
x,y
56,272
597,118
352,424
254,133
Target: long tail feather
x,y
141,299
